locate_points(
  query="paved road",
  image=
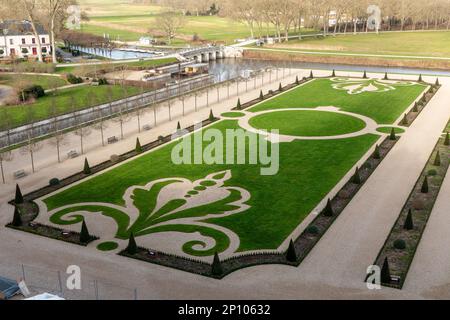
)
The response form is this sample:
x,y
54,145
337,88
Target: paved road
x,y
334,269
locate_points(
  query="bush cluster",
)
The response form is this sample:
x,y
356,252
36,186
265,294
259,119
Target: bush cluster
x,y
34,91
72,79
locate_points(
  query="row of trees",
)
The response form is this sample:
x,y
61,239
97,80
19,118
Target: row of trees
x,y
51,14
289,16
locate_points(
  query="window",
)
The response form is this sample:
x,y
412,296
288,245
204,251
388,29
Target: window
x,y
33,41
11,41
23,40
43,40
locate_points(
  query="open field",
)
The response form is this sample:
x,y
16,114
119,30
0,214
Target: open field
x,y
65,100
85,69
219,206
388,43
128,22
46,82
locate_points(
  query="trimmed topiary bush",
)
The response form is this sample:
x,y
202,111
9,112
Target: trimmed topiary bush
x,y
296,80
261,95
376,154
238,104
216,267
404,121
132,246
54,182
291,254
386,76
86,168
356,179
385,272
409,223
17,218
34,91
85,237
420,78
280,87
311,75
392,136
437,84
365,75
138,147
211,115
416,107
400,244
73,79
328,210
447,140
19,197
432,172
437,160
333,74
312,230
425,188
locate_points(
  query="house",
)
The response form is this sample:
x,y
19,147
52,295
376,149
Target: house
x,y
146,41
17,40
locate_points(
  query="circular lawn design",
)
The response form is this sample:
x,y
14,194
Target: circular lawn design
x,y
308,123
108,246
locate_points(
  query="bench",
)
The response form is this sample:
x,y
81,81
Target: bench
x,y
72,154
20,174
112,140
147,127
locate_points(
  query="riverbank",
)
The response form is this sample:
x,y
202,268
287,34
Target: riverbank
x,y
346,60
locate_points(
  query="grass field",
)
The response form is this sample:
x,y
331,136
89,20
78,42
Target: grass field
x,y
129,21
276,205
426,43
41,109
46,82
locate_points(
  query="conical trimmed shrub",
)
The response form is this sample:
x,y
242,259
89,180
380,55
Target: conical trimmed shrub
x,y
86,168
211,116
416,107
132,246
216,267
404,121
409,224
311,75
447,140
437,160
291,254
261,95
238,105
356,179
17,218
178,126
333,74
19,197
386,76
138,147
385,272
84,234
420,78
296,80
376,154
425,187
392,136
328,210
365,75
280,87
437,84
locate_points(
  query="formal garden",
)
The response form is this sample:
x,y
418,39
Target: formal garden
x,y
333,132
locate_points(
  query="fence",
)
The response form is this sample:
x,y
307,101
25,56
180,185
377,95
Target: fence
x,y
40,280
70,121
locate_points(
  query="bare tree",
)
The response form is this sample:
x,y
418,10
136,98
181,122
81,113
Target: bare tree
x,y
5,155
169,22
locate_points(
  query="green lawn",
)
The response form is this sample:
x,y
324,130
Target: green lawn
x,y
308,170
42,108
308,123
434,44
383,108
61,69
46,82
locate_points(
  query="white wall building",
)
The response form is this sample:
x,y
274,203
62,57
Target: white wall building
x,y
18,41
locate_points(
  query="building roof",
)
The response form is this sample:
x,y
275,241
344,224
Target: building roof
x,y
20,28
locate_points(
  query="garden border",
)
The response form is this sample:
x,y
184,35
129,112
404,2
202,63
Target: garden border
x,y
302,245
